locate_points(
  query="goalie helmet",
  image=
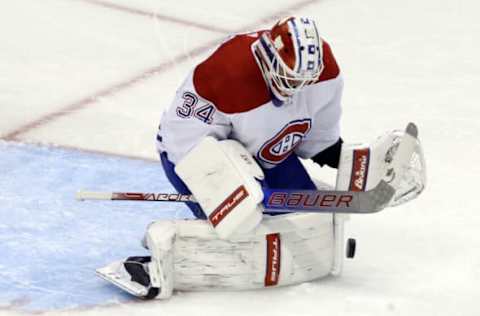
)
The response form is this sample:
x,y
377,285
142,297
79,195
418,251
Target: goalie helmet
x,y
290,55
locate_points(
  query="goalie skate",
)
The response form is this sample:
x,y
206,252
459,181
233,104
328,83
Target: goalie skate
x,y
125,276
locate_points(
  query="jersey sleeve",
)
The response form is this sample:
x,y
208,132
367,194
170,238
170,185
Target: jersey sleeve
x,y
325,119
189,119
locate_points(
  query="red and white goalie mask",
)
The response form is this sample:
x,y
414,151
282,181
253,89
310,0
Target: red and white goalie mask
x,y
290,55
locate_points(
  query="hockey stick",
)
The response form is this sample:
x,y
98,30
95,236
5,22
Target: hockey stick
x,y
317,201
134,196
279,200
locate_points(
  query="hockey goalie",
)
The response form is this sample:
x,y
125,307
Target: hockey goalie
x,y
237,131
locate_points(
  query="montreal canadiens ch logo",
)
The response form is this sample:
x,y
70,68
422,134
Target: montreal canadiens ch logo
x,y
278,148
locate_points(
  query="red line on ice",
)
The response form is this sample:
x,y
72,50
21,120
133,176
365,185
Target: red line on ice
x,y
109,91
157,16
146,74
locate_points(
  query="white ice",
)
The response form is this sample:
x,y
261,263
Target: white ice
x,y
402,61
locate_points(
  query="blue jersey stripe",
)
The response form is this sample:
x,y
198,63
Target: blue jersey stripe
x,y
299,52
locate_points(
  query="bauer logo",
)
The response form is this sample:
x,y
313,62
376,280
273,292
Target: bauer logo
x,y
307,200
278,148
272,274
361,159
228,205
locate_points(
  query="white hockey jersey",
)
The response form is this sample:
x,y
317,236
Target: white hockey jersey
x,y
226,96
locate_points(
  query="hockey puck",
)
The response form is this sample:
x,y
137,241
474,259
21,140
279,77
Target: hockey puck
x,y
351,245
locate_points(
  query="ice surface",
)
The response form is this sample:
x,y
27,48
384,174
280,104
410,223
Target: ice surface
x,y
51,243
402,61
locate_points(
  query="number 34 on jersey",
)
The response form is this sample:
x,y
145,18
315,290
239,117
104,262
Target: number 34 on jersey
x,y
189,109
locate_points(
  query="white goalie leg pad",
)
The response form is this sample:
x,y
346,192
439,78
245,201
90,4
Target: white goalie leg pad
x,y
282,250
222,177
339,243
160,268
338,233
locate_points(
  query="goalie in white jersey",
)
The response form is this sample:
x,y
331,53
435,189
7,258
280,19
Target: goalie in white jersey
x,y
277,92
241,121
